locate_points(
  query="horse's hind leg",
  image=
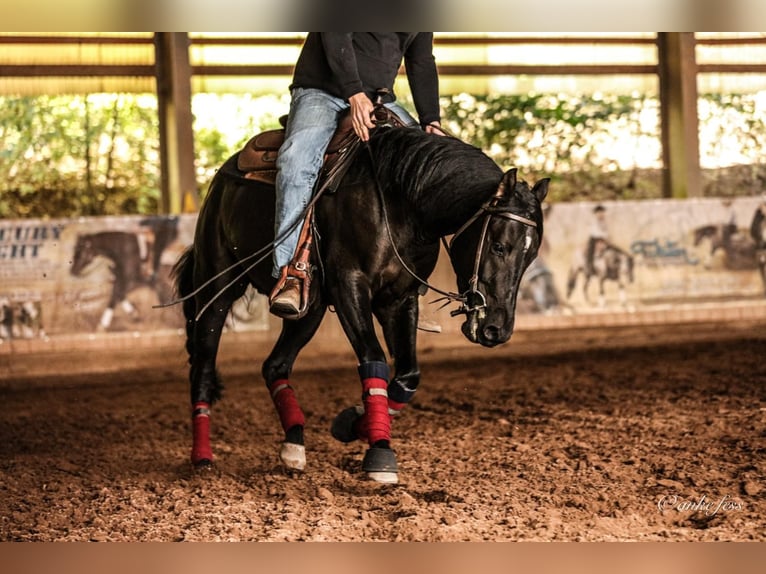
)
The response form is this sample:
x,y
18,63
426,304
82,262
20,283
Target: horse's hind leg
x,y
204,378
572,281
205,381
276,372
622,294
601,292
202,342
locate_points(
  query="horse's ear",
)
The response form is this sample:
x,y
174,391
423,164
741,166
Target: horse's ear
x,y
541,189
507,184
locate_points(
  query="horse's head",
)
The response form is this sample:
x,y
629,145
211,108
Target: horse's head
x,y
84,253
702,232
490,254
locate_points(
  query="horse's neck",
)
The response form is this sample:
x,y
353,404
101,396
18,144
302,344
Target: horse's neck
x,y
444,180
441,218
113,246
105,249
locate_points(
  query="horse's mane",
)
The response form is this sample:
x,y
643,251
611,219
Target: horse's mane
x,y
443,178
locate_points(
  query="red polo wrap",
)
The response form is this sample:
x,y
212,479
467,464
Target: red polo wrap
x,y
201,449
378,425
290,413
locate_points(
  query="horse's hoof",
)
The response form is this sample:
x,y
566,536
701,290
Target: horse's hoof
x,y
203,464
380,465
293,455
342,428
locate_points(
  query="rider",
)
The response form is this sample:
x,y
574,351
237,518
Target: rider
x,y
598,238
336,71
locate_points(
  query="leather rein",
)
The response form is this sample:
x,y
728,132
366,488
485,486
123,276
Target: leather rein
x,y
471,300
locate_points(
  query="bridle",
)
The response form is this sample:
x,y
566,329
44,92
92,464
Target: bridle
x,y
473,300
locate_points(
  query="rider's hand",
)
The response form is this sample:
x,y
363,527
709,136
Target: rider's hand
x,y
435,128
361,115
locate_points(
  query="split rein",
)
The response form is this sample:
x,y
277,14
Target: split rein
x,y
260,256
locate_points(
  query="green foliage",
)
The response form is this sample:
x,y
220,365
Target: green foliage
x,y
593,147
68,156
224,123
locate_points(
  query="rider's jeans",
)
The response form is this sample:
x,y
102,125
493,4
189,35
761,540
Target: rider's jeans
x,y
311,123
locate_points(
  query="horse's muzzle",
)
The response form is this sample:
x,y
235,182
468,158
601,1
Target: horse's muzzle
x,y
485,333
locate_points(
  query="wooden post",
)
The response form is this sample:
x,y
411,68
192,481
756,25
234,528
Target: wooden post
x,y
179,186
678,115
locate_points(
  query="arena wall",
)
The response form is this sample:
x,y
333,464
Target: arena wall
x,y
687,266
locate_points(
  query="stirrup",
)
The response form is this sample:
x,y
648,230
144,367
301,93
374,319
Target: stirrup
x,y
289,271
299,268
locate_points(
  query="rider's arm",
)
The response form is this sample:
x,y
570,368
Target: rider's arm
x,y
423,78
340,54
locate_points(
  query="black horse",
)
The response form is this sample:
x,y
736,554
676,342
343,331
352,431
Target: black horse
x,y
376,233
129,269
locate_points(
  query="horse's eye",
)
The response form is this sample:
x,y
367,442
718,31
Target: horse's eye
x,y
497,248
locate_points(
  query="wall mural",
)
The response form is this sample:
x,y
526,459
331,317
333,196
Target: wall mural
x,y
636,254
101,275
96,275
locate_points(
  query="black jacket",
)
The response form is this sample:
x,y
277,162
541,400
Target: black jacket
x,y
346,63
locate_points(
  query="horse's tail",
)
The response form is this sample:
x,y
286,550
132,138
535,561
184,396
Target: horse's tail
x,y
183,275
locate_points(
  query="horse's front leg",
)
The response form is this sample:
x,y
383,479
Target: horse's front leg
x,y
601,292
118,294
585,287
399,321
354,308
276,372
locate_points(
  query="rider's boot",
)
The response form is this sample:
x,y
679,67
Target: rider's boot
x,y
289,298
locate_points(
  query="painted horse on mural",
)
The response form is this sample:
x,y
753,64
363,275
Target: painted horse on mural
x,y
758,235
377,240
134,261
738,249
608,263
